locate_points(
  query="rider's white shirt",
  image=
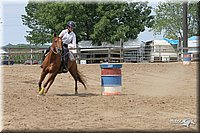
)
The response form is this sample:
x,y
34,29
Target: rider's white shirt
x,y
68,38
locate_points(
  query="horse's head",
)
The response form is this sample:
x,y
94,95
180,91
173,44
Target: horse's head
x,y
57,45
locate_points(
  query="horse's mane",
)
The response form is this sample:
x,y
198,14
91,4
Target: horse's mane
x,y
55,39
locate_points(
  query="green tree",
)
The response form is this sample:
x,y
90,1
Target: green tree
x,y
122,20
169,19
39,33
198,17
44,18
99,22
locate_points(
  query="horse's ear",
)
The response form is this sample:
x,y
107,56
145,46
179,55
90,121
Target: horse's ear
x,y
54,34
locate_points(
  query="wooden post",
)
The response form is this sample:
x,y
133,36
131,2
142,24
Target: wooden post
x,y
179,48
109,54
31,56
9,54
121,51
198,18
185,27
160,53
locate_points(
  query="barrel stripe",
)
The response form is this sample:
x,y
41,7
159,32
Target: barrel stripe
x,y
186,56
186,62
111,90
111,80
186,59
111,65
111,72
110,93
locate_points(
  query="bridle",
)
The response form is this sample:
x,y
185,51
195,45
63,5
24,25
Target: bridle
x,y
58,50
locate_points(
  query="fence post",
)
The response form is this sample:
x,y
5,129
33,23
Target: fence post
x,y
9,54
109,54
179,48
159,53
121,50
185,27
31,56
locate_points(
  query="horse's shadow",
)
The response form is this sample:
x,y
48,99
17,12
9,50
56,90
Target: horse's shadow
x,y
80,94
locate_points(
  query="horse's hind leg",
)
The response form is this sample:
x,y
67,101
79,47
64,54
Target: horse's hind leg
x,y
76,88
75,76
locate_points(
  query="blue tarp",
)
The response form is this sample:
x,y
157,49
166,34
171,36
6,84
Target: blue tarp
x,y
175,42
193,38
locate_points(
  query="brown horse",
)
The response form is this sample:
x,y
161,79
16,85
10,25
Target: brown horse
x,y
51,66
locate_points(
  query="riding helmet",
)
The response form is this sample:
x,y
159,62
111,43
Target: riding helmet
x,y
71,24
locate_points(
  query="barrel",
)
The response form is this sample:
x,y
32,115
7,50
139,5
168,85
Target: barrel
x,y
111,79
186,58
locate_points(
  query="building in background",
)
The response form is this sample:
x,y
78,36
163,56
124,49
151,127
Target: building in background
x,y
160,51
193,47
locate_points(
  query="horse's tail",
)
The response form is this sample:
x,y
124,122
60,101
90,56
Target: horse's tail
x,y
81,78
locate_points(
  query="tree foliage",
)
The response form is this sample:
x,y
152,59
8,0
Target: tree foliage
x,y
198,18
99,22
169,19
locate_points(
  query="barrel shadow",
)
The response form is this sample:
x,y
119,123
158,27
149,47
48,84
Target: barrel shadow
x,y
80,94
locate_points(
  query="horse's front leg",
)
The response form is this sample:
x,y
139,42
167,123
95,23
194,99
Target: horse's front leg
x,y
42,76
50,82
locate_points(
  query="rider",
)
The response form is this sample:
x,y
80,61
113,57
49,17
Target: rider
x,y
68,37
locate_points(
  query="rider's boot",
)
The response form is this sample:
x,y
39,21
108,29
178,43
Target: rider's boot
x,y
65,66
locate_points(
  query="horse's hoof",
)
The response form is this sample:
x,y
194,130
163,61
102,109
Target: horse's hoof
x,y
76,93
41,92
40,95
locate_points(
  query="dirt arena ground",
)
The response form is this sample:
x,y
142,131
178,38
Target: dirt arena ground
x,y
155,97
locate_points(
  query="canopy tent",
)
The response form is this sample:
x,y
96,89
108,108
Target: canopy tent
x,y
175,42
194,38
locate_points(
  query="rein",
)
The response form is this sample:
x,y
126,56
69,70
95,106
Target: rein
x,y
65,54
54,51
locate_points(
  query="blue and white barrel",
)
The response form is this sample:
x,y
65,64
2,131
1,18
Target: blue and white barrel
x,y
186,58
111,79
